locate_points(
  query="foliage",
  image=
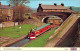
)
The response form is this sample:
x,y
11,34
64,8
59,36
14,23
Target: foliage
x,y
15,32
40,41
18,2
19,12
1,20
75,8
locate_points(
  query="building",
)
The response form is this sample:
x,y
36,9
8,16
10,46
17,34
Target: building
x,y
53,8
6,12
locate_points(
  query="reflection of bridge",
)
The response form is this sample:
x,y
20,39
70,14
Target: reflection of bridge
x,y
66,34
41,15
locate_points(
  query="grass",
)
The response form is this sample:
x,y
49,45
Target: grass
x,y
40,41
27,15
16,32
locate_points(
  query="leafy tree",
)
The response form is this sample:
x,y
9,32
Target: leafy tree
x,y
18,2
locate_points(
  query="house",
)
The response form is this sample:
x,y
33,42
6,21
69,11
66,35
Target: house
x,y
6,12
53,8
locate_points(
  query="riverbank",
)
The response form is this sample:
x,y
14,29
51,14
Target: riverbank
x,y
10,35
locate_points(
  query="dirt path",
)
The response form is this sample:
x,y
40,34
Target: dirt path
x,y
4,40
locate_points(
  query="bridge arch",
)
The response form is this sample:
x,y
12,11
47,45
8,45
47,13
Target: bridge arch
x,y
44,20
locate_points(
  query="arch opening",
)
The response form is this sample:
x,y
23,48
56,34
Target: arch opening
x,y
47,18
44,20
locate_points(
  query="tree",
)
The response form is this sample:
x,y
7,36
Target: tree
x,y
1,20
18,2
70,8
19,12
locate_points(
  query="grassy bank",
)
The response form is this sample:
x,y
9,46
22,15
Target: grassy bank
x,y
15,32
40,41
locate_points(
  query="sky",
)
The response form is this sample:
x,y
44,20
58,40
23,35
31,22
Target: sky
x,y
35,3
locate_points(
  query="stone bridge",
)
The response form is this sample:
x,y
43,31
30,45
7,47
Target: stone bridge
x,y
42,15
66,34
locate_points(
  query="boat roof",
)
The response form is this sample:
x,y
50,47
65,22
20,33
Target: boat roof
x,y
42,26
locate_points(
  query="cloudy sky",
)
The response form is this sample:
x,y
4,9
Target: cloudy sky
x,y
34,3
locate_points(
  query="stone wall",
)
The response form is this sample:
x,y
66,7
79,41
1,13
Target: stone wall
x,y
68,40
8,24
6,14
41,15
66,34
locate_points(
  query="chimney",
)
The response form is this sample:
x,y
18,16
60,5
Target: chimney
x,y
0,3
70,8
55,4
62,4
39,5
9,5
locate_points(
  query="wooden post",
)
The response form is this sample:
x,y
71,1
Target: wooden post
x,y
2,26
14,25
19,18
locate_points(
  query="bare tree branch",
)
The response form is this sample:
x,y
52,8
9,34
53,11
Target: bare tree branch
x,y
18,2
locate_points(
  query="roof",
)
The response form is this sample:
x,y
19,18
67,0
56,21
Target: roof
x,y
53,7
5,7
42,26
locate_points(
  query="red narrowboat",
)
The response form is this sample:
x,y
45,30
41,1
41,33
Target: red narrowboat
x,y
37,31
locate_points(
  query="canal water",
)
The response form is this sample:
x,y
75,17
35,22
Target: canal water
x,y
20,43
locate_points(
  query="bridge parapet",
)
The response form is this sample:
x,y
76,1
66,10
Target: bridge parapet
x,y
62,30
61,27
